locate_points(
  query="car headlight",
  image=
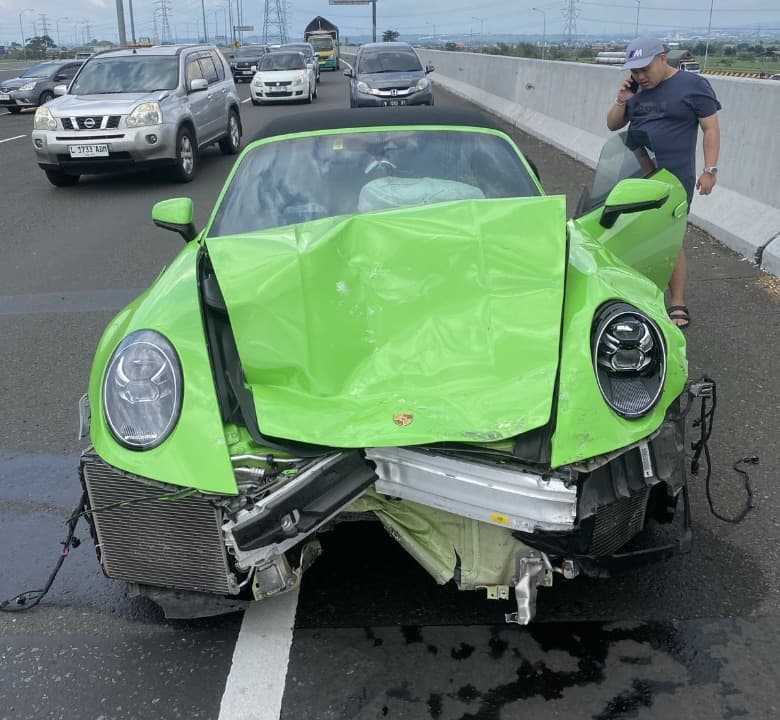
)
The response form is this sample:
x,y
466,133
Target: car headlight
x,y
142,390
145,114
299,79
44,120
422,83
27,86
629,359
257,80
364,87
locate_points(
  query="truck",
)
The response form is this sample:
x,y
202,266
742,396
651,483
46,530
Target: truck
x,y
324,36
682,59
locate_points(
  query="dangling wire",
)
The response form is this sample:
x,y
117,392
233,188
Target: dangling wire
x,y
30,598
704,390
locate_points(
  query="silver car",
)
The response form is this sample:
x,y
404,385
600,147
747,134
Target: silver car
x,y
35,86
141,107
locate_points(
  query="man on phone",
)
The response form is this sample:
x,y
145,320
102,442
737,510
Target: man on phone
x,y
669,107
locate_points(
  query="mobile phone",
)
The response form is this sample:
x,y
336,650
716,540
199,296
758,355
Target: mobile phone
x,y
634,86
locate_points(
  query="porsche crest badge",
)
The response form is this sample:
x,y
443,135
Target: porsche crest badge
x,y
403,419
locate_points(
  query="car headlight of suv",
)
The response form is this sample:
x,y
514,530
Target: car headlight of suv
x,y
629,359
44,120
422,84
145,114
142,390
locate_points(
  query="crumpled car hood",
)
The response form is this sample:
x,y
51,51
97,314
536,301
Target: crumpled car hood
x,y
413,325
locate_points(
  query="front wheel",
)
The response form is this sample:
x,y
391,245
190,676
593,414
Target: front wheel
x,y
186,157
14,110
45,97
308,99
314,94
61,179
230,144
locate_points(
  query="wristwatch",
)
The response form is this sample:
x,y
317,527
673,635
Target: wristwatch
x,y
711,170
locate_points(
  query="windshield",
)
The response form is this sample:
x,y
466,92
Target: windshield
x,y
386,61
131,74
305,49
282,61
251,52
626,155
308,178
43,70
322,43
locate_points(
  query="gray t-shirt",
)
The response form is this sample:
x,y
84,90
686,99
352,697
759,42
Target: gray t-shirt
x,y
669,115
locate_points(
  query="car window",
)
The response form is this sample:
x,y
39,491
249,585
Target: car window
x,y
626,155
282,61
134,73
209,71
194,71
68,71
301,179
322,43
218,65
42,70
385,61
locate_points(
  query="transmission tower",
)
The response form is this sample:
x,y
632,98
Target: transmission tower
x,y
275,22
570,13
163,8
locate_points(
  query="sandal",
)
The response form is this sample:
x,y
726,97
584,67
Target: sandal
x,y
679,315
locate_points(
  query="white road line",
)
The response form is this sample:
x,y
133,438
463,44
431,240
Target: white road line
x,y
245,101
15,137
255,684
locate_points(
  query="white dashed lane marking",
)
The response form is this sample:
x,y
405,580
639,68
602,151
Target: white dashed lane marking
x,y
15,137
255,684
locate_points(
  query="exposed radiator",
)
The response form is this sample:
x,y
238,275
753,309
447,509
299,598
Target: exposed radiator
x,y
165,543
616,524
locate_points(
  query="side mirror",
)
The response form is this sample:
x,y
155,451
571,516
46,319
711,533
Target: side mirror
x,y
429,69
60,77
60,89
198,84
348,73
633,195
176,214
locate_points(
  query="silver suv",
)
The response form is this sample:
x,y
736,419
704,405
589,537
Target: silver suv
x,y
147,106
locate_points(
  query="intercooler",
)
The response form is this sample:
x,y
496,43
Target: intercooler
x,y
617,523
150,540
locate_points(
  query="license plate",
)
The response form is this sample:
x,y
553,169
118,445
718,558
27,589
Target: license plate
x,y
393,103
246,72
80,151
4,96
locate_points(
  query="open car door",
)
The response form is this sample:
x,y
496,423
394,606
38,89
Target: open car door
x,y
638,212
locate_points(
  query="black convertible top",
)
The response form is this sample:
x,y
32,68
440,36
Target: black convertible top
x,y
370,117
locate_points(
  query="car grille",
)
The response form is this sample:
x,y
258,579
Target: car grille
x,y
273,85
617,523
91,122
165,543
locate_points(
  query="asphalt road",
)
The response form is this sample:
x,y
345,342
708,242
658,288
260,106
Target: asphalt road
x,y
695,637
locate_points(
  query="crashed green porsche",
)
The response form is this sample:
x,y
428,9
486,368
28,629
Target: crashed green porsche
x,y
386,317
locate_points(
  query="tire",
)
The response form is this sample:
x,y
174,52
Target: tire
x,y
46,95
308,99
255,102
230,144
61,179
314,95
14,110
186,157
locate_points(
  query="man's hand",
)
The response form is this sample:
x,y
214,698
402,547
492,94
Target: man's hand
x,y
625,93
705,183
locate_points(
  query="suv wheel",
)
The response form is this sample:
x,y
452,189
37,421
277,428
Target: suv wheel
x,y
61,179
229,144
186,156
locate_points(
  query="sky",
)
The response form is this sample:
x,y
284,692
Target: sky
x,y
68,21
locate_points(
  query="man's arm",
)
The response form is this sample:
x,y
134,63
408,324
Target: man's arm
x,y
711,146
616,115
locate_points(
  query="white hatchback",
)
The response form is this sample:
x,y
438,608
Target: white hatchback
x,y
283,76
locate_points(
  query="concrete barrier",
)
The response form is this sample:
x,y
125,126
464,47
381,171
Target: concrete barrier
x,y
565,104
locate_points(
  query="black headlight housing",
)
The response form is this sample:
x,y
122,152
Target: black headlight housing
x,y
629,359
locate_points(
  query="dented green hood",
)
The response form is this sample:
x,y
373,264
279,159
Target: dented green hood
x,y
414,325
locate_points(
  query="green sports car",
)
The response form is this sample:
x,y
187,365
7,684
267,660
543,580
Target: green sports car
x,y
386,317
